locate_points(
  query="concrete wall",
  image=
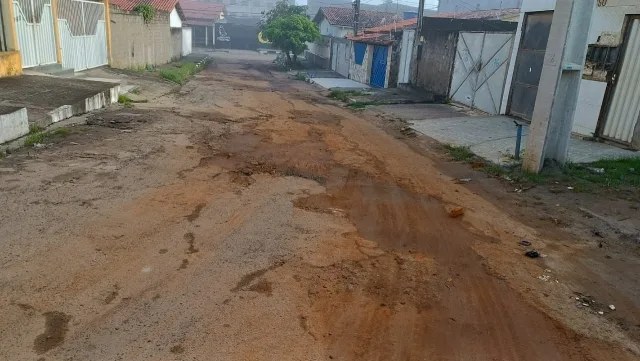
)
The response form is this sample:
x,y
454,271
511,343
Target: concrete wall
x,y
13,123
607,24
10,63
332,30
361,73
135,44
435,62
174,19
448,6
176,44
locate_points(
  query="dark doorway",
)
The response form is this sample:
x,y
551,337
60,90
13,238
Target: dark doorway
x,y
533,46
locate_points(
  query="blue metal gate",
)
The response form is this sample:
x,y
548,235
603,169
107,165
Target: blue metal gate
x,y
379,66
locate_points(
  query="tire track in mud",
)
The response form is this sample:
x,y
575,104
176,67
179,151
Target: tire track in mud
x,y
474,312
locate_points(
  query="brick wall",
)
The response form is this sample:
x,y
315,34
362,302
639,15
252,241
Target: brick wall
x,y
137,44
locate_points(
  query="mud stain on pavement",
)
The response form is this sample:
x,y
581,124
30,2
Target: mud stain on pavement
x,y
184,264
112,295
196,212
191,239
56,327
177,349
250,277
263,286
163,251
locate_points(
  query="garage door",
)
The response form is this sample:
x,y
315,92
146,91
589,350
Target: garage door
x,y
529,64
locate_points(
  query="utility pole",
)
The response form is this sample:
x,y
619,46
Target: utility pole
x,y
557,98
356,16
420,18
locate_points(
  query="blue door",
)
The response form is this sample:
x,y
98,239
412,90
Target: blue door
x,y
379,66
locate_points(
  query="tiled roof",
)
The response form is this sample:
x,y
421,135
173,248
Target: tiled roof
x,y
399,25
194,10
128,5
373,38
344,17
479,14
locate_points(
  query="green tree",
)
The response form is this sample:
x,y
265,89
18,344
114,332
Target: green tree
x,y
282,9
290,33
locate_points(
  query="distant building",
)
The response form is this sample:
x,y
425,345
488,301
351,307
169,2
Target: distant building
x,y
450,6
246,8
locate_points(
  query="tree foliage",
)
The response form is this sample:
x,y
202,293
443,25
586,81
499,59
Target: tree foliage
x,y
282,9
290,33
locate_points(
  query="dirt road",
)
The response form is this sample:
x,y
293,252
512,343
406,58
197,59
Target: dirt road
x,y
246,217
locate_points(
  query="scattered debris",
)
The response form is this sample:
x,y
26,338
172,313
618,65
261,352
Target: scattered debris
x,y
597,233
544,278
600,313
532,254
463,180
525,243
570,188
612,307
596,170
456,212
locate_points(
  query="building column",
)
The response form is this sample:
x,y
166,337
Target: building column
x,y
206,36
107,21
56,30
557,98
9,21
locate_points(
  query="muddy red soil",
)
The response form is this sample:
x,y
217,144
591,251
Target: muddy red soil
x,y
250,218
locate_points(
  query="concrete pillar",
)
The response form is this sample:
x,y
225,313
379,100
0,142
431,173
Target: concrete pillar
x,y
555,106
56,30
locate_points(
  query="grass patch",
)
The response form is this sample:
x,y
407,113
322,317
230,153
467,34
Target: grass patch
x,y
361,105
34,128
180,72
610,173
459,153
343,95
125,100
39,136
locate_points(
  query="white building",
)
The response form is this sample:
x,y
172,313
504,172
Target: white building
x,y
609,95
450,6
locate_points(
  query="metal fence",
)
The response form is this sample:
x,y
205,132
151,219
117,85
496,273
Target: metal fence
x,y
34,25
83,36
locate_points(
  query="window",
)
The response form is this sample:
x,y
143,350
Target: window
x,y
359,49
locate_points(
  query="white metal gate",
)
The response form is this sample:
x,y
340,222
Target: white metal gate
x,y
83,34
406,52
622,117
34,26
480,69
340,58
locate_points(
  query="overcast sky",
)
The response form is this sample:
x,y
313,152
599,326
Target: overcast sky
x,y
428,4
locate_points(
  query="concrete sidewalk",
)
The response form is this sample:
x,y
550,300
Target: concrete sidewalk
x,y
491,137
51,99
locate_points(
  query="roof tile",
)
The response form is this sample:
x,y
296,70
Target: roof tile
x,y
368,18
